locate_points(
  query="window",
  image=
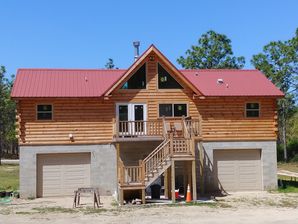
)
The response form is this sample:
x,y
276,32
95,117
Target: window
x,y
166,110
172,110
137,80
165,80
252,110
44,112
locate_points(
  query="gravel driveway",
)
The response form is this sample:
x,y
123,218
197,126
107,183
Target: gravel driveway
x,y
256,207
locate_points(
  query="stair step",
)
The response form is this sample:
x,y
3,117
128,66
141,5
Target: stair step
x,y
150,175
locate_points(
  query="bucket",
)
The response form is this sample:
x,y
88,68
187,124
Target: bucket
x,y
177,194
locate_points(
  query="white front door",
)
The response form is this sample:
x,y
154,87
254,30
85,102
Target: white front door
x,y
131,117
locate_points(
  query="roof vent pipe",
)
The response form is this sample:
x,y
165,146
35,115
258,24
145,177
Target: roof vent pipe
x,y
136,45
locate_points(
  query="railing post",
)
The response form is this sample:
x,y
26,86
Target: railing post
x,y
183,127
116,127
142,174
171,144
164,128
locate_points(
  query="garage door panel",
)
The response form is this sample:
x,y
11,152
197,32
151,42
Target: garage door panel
x,y
238,169
61,174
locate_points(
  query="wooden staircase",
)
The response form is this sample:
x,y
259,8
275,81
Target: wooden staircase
x,y
174,147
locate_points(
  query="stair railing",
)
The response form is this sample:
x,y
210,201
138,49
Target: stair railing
x,y
157,157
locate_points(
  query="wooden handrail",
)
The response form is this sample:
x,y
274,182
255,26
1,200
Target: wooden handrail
x,y
186,131
156,150
156,157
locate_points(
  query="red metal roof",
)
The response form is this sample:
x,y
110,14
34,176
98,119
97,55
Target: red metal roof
x,y
235,82
64,82
94,83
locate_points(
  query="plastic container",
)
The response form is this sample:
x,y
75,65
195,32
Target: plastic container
x,y
155,191
177,194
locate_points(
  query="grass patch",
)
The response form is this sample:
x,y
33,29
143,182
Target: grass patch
x,y
90,210
288,203
24,213
114,203
288,189
287,186
5,211
57,209
9,177
211,205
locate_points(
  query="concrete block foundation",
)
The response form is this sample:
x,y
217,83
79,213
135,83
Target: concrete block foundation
x,y
103,166
268,161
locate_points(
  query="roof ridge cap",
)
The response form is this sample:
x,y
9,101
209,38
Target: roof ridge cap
x,y
220,69
72,69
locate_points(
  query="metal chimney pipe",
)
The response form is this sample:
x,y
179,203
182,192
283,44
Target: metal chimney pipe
x,y
136,45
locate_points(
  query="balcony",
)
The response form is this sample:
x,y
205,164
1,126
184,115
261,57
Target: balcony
x,y
157,129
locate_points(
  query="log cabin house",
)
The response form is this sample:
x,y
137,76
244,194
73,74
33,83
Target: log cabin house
x,y
122,130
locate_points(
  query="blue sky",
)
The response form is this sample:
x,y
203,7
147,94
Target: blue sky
x,y
84,34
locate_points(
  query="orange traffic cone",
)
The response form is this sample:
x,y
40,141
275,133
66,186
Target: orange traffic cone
x,y
188,194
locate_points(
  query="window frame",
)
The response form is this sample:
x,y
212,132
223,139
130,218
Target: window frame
x,y
37,112
133,73
246,110
166,89
173,109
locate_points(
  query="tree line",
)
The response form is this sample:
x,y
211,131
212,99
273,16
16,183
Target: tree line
x,y
7,114
278,61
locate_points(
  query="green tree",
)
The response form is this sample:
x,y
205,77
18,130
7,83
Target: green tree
x,y
279,62
7,113
110,64
214,50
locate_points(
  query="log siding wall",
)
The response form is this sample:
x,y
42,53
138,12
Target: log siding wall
x,y
91,120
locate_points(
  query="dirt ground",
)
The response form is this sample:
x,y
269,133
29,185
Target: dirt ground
x,y
253,207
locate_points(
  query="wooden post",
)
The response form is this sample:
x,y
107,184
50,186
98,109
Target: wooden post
x,y
169,183
120,191
189,174
118,162
194,181
143,196
201,152
166,183
142,174
121,196
185,177
173,181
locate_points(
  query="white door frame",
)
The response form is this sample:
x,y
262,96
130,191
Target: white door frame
x,y
131,114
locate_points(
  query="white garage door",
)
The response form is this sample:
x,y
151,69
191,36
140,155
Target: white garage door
x,y
239,170
60,174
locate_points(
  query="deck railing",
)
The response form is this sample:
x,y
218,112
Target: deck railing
x,y
158,128
194,126
130,174
139,128
182,146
